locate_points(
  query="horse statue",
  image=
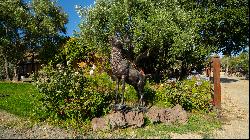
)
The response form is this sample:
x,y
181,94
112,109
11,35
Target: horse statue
x,y
125,71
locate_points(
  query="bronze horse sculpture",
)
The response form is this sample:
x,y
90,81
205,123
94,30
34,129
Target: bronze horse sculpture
x,y
125,71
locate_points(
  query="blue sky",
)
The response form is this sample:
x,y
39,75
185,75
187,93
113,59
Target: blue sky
x,y
73,18
69,7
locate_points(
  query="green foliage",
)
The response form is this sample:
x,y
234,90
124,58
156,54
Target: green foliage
x,y
73,50
47,21
30,27
70,94
149,94
239,63
162,33
131,95
167,35
13,19
24,97
223,25
243,61
192,95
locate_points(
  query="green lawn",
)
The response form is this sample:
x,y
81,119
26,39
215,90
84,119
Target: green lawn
x,y
18,98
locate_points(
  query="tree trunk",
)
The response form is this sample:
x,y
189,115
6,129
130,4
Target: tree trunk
x,y
32,62
227,65
15,77
7,77
184,71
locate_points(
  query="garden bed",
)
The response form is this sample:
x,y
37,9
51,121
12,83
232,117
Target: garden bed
x,y
22,101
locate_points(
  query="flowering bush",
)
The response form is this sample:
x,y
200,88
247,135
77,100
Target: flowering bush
x,y
192,95
72,94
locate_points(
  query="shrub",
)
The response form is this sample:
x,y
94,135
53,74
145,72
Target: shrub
x,y
68,93
192,95
131,95
237,64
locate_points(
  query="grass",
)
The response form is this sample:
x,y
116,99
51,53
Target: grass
x,y
22,99
18,98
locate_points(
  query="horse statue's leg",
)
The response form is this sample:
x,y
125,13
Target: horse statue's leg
x,y
140,87
141,100
141,106
141,97
116,89
123,88
121,106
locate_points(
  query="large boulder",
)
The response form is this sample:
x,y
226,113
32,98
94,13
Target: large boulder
x,y
99,124
153,115
120,119
134,119
180,114
116,120
167,115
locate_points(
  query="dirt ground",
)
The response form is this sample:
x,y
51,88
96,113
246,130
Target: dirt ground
x,y
235,108
234,113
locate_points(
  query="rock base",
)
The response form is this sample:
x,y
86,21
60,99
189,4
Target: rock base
x,y
120,119
168,116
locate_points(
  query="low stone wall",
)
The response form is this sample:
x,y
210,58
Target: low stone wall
x,y
116,120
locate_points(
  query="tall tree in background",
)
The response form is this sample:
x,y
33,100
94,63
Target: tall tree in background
x,y
46,28
237,64
159,35
223,25
167,35
13,19
29,27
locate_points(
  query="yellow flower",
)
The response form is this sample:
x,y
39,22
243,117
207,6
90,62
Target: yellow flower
x,y
82,64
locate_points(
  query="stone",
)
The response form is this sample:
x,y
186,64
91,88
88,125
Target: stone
x,y
116,120
99,124
134,118
180,114
167,116
183,117
161,115
177,109
153,115
120,119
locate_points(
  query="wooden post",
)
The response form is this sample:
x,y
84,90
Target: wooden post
x,y
217,86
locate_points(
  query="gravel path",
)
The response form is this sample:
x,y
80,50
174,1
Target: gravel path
x,y
235,112
13,127
235,117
